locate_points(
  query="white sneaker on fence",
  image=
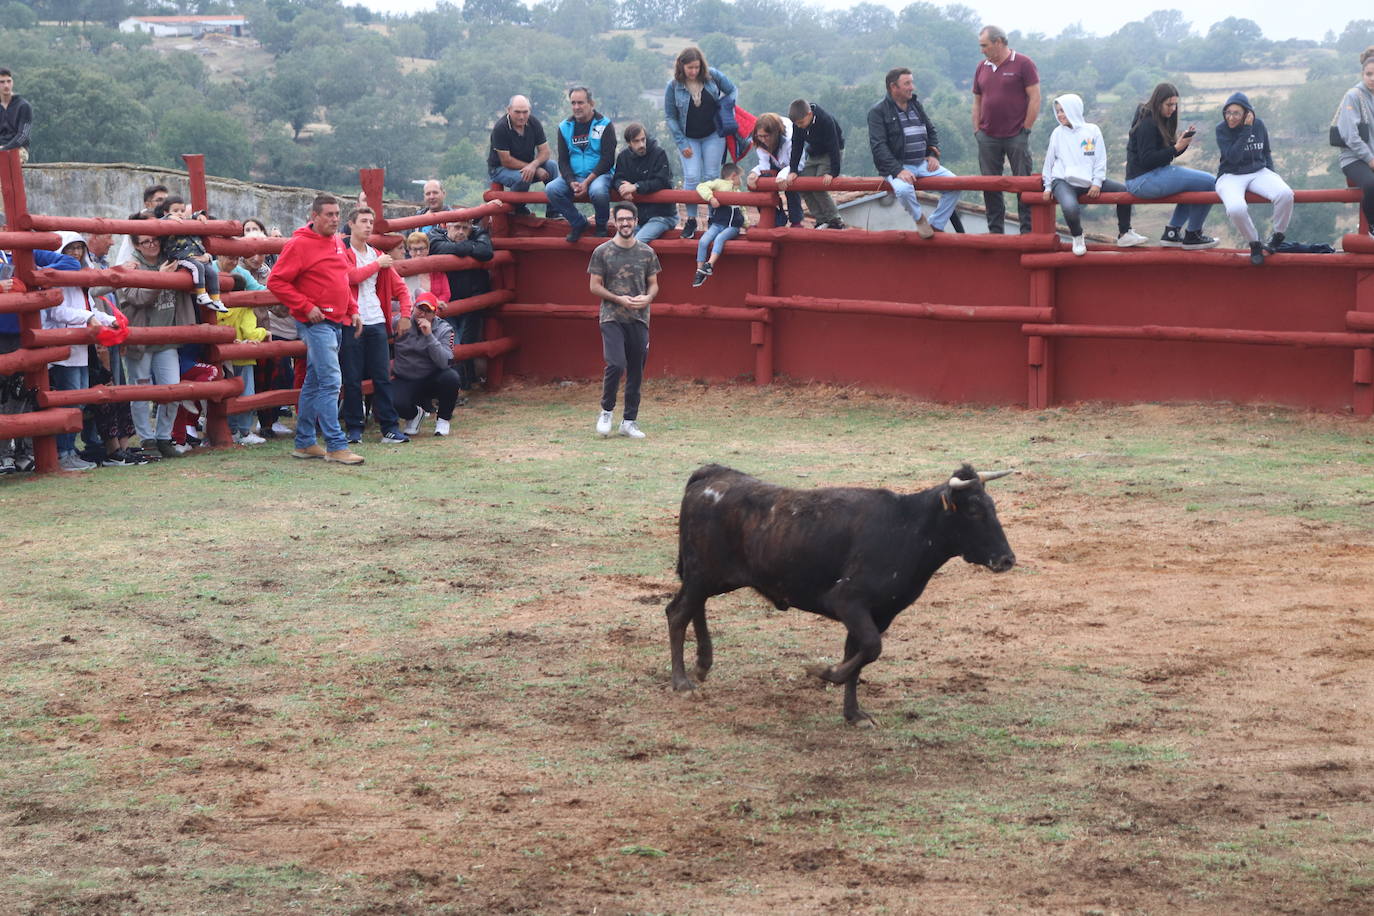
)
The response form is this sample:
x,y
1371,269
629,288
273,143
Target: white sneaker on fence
x,y
1130,238
923,227
1080,246
441,426
413,426
603,423
631,428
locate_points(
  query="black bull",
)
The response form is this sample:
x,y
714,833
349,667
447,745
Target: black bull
x,y
859,556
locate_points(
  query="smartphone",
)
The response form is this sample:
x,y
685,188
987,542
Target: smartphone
x,y
1190,131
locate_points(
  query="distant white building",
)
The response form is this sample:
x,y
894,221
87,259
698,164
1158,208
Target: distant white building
x,y
185,26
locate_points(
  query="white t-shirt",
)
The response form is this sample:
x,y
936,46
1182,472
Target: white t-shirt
x,y
369,306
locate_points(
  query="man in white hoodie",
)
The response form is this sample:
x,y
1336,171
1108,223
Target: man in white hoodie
x,y
1076,167
71,374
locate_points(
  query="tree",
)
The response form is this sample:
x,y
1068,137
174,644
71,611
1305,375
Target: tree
x,y
1357,35
17,15
720,50
495,11
74,122
197,129
1168,25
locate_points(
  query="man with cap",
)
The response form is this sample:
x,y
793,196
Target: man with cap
x,y
420,368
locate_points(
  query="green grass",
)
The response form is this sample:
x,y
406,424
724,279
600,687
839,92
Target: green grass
x,y
485,612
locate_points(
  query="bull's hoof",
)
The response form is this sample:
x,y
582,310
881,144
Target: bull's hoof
x,y
862,720
700,673
820,671
683,685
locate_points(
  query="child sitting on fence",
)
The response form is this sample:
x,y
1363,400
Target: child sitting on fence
x,y
189,252
723,223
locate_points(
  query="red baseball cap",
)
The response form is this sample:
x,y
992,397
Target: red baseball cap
x,y
429,301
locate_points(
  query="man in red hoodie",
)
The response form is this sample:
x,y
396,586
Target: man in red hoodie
x,y
310,278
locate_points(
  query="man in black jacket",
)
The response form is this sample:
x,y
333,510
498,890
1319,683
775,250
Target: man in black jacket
x,y
642,168
817,137
16,118
905,147
466,240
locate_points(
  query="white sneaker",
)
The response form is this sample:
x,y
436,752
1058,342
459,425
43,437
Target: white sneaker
x,y
249,439
1130,238
181,449
74,462
603,423
1080,246
413,426
631,428
441,426
923,227
281,429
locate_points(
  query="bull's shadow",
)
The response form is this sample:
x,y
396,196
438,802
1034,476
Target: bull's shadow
x,y
859,556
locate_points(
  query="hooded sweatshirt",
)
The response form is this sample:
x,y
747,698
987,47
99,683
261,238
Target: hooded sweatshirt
x,y
1076,153
1357,106
73,311
1245,148
313,271
648,173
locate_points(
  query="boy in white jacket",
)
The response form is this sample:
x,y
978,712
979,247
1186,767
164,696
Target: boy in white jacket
x,y
1076,166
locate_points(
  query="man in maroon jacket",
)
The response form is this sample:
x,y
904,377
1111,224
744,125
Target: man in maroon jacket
x,y
310,278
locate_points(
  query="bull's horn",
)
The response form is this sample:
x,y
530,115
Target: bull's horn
x,y
958,483
985,476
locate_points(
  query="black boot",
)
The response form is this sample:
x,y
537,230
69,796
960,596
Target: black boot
x,y
1274,242
1257,253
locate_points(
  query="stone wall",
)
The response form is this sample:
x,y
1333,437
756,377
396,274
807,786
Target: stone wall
x,y
116,190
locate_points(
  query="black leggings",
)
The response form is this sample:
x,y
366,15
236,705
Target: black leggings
x,y
1362,177
412,394
1068,196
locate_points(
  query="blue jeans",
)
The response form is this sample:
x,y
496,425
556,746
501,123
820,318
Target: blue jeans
x,y
242,423
510,178
68,378
653,227
318,407
906,194
705,162
363,357
717,234
154,367
1175,179
561,200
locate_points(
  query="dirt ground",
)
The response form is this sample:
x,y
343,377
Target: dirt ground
x,y
1159,711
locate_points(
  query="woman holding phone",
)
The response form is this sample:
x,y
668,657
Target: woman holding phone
x,y
1154,143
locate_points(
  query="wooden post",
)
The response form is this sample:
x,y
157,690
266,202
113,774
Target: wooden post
x,y
761,332
1362,374
195,173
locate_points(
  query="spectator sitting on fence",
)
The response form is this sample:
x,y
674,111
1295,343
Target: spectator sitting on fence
x,y
1154,143
519,153
817,139
435,281
772,138
586,156
722,224
421,371
1351,132
1076,167
642,168
905,147
1247,164
73,372
190,254
467,239
244,321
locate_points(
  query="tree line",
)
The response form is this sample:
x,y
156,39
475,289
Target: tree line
x,y
330,88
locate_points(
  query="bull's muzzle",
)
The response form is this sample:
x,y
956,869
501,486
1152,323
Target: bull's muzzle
x,y
1003,563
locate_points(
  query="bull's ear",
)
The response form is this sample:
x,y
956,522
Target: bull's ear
x,y
946,501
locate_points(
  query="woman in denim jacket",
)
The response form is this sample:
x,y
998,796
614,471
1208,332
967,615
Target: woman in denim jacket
x,y
699,103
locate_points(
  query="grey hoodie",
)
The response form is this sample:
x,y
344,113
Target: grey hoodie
x,y
1356,106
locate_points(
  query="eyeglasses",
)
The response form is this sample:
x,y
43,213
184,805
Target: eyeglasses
x,y
624,219
148,242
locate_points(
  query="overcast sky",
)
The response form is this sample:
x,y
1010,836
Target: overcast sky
x,y
1278,18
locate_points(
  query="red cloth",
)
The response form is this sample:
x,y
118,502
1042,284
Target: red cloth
x,y
738,146
311,271
389,284
200,372
113,337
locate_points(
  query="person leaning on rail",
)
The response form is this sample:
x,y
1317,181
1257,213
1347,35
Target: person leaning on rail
x,y
1076,167
817,149
772,136
1247,165
1351,132
1154,144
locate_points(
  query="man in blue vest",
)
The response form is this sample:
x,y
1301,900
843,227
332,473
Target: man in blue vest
x,y
586,157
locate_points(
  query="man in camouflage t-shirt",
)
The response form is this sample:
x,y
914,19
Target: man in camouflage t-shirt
x,y
624,274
